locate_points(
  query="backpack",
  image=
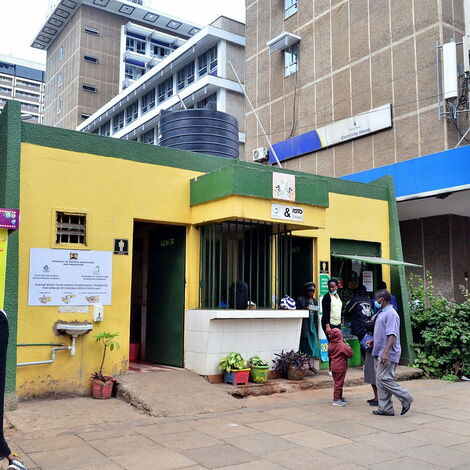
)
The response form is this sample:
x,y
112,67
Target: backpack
x,y
238,295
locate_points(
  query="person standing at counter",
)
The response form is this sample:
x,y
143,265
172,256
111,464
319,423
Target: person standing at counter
x,y
309,334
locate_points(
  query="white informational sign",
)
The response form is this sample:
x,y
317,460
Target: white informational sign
x,y
350,128
280,211
368,280
284,186
69,277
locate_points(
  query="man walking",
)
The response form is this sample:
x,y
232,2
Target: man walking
x,y
386,353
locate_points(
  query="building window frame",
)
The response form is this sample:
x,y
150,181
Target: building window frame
x,y
207,62
118,121
132,112
148,101
105,129
61,53
186,75
135,45
291,60
91,59
70,228
91,30
165,90
59,105
89,88
290,8
132,72
148,137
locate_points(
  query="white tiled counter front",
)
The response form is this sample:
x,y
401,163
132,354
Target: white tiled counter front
x,y
212,334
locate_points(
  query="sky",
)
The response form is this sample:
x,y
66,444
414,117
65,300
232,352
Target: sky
x,y
22,19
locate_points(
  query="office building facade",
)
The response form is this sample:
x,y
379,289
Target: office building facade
x,y
85,57
195,74
23,81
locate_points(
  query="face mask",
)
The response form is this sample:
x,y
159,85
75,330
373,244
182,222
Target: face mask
x,y
377,305
334,292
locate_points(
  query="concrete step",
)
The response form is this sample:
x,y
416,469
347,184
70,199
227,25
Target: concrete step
x,y
355,376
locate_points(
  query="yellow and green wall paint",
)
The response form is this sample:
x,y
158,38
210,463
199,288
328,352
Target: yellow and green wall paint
x,y
116,183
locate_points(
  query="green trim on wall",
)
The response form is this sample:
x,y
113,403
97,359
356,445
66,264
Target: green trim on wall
x,y
355,247
10,148
253,180
397,273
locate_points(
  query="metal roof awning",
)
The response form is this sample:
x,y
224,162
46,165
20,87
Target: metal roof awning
x,y
282,41
376,260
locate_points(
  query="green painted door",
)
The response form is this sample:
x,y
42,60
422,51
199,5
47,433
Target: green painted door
x,y
302,263
166,280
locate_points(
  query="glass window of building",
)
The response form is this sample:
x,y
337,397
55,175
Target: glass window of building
x,y
244,255
290,60
91,30
290,7
148,101
159,51
135,45
5,91
90,88
133,73
105,128
61,52
148,137
31,106
207,62
118,121
208,99
60,79
165,90
185,76
4,79
90,58
7,68
24,83
26,95
132,112
59,106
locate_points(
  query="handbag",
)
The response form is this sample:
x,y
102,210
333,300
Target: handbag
x,y
367,337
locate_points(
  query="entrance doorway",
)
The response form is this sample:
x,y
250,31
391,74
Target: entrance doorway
x,y
302,264
158,287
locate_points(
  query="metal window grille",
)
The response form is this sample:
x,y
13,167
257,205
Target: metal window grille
x,y
70,228
253,252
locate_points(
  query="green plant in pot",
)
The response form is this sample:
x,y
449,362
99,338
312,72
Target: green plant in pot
x,y
293,364
259,369
102,385
234,368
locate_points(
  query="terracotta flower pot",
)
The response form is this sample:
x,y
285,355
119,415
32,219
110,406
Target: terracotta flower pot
x,y
103,390
296,373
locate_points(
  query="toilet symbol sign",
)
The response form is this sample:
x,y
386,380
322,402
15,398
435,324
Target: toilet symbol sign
x,y
121,246
324,267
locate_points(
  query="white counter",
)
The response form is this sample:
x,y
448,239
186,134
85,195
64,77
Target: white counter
x,y
212,334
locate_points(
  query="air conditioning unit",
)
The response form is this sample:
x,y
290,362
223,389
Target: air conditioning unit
x,y
260,154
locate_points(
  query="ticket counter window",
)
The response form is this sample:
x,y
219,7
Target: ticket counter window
x,y
238,256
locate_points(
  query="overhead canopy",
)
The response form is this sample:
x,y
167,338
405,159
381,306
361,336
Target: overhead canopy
x,y
376,260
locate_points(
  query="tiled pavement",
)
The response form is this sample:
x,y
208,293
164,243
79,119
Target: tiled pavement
x,y
288,431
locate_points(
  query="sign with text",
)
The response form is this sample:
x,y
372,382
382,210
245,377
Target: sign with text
x,y
9,218
69,277
368,280
279,211
284,186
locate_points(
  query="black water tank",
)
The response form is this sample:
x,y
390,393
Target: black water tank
x,y
200,130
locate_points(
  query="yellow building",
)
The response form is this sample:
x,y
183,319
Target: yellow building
x,y
138,239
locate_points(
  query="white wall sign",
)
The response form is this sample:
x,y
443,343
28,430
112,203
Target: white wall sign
x,y
69,277
362,124
368,280
280,211
284,186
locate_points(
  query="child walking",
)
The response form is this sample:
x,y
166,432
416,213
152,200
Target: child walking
x,y
339,352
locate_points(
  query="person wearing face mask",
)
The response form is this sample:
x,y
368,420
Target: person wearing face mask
x,y
331,308
386,352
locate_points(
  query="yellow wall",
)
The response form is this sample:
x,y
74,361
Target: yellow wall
x,y
113,193
352,218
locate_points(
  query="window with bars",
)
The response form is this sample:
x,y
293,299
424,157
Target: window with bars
x,y
290,7
291,59
70,228
118,121
256,253
132,112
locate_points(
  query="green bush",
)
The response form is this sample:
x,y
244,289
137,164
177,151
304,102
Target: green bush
x,y
441,330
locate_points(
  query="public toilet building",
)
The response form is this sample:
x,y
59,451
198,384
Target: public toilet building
x,y
147,241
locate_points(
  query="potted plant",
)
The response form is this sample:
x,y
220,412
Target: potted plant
x,y
259,370
293,364
102,385
234,368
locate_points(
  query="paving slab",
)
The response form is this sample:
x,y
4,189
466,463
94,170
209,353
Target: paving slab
x,y
439,455
261,444
155,459
219,456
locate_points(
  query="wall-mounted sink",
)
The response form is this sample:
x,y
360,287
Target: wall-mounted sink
x,y
73,329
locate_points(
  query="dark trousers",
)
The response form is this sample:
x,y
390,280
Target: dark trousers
x,y
338,378
4,449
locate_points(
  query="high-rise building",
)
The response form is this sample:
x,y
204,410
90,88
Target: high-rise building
x,y
23,81
365,88
197,73
87,54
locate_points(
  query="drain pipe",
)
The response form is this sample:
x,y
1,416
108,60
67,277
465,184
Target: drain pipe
x,y
35,363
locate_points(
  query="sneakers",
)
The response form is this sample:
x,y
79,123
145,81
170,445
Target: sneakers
x,y
330,373
16,465
344,400
339,403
